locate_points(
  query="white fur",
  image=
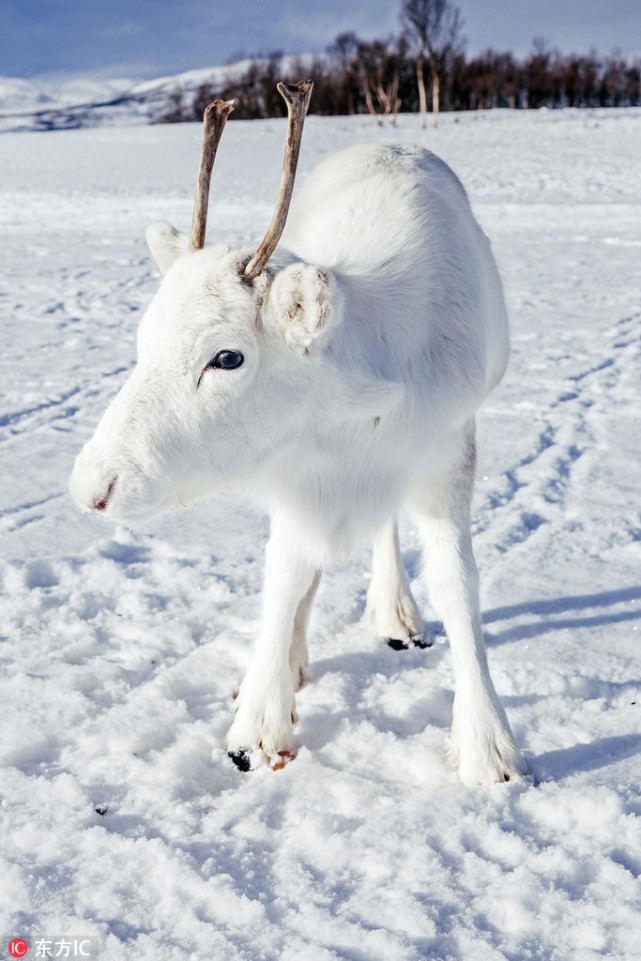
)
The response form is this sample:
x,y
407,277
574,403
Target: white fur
x,y
369,342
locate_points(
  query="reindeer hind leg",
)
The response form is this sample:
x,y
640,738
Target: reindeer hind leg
x,y
389,599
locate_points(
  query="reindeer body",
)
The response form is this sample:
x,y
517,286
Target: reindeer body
x,y
422,312
342,379
394,223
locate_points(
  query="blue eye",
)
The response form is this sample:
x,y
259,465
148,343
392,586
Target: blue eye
x,y
227,360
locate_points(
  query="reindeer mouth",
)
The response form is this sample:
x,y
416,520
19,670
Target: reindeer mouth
x,y
101,504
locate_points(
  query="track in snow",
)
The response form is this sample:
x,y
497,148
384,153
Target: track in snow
x,y
120,650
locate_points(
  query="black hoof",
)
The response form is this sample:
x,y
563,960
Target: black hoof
x,y
241,759
420,640
416,640
396,644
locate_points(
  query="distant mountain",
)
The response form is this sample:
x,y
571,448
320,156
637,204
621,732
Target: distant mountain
x,y
59,105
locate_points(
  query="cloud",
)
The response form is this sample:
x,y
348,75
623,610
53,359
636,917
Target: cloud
x,y
147,38
119,30
313,27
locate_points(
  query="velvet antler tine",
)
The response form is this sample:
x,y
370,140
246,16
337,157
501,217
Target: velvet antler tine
x,y
214,120
297,99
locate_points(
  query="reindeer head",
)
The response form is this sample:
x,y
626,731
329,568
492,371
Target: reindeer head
x,y
231,359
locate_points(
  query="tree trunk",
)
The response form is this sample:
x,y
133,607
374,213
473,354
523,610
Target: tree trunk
x,y
436,90
367,93
422,99
388,98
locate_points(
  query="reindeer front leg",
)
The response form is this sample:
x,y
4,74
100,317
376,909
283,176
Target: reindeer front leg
x,y
298,654
265,706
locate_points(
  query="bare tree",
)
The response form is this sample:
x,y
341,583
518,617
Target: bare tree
x,y
343,54
435,29
378,66
381,76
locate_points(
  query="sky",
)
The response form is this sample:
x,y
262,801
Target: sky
x,y
149,38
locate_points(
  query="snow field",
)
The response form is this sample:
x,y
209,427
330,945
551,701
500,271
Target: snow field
x,y
120,650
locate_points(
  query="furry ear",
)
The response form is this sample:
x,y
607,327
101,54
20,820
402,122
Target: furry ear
x,y
166,244
303,300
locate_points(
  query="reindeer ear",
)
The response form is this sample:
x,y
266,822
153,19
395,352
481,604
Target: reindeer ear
x,y
304,304
166,244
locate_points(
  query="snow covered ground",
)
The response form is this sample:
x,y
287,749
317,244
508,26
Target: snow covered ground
x,y
120,815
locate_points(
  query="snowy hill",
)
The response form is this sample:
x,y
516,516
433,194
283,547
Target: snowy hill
x,y
26,105
81,102
121,817
22,95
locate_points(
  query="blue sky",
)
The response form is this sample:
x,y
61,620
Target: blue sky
x,y
147,38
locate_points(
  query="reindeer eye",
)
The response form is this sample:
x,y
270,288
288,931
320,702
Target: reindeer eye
x,y
227,360
224,360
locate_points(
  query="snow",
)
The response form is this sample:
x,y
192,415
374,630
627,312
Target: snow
x,y
120,650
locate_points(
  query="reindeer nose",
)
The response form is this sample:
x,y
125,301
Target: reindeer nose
x,y
90,486
101,503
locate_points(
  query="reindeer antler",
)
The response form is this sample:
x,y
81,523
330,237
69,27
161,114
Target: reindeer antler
x,y
214,121
297,99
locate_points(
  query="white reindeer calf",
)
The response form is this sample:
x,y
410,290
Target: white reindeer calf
x,y
340,373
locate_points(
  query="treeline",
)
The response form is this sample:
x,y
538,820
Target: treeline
x,y
380,78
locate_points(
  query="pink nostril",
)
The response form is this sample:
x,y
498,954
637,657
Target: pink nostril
x,y
100,504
